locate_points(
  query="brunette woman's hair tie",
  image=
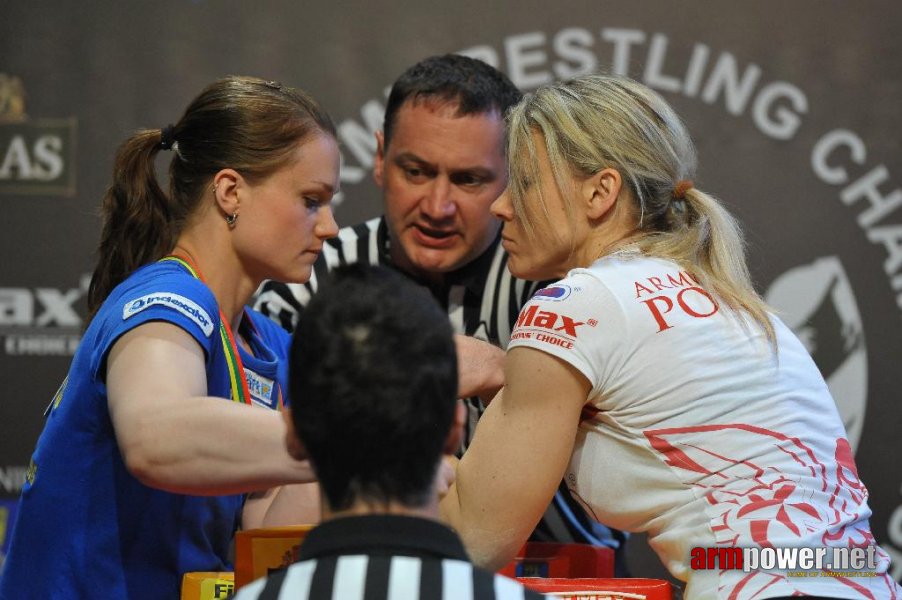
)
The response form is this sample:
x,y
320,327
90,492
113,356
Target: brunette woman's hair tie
x,y
166,139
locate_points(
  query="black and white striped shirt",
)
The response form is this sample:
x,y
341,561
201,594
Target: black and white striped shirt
x,y
387,557
482,298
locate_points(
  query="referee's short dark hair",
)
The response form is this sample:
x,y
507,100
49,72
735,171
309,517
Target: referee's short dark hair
x,y
475,86
373,384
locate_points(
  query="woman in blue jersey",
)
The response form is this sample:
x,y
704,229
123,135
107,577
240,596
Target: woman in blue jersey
x,y
157,433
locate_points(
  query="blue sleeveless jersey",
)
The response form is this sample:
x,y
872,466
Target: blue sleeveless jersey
x,y
86,528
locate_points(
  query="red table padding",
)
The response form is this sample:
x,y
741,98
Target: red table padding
x,y
651,589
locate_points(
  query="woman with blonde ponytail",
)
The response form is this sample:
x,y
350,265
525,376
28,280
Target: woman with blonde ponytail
x,y
651,377
170,413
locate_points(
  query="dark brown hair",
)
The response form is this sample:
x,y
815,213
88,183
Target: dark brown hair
x,y
476,87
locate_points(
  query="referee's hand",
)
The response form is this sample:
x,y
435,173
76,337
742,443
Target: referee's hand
x,y
480,368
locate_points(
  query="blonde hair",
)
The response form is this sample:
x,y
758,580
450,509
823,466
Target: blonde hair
x,y
596,122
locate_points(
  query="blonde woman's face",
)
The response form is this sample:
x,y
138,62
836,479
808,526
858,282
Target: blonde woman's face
x,y
547,254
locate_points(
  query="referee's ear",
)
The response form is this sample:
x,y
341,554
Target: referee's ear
x,y
456,434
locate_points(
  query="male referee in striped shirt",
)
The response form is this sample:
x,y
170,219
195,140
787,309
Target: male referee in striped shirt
x,y
441,162
373,378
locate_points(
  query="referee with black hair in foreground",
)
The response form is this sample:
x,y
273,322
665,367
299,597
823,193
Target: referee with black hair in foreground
x,y
373,378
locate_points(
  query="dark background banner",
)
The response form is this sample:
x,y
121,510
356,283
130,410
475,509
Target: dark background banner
x,y
794,107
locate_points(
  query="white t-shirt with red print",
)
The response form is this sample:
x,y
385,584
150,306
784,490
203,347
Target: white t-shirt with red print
x,y
697,433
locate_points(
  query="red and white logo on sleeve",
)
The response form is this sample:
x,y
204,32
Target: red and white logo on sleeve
x,y
547,326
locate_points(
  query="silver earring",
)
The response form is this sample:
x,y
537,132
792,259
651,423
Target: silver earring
x,y
232,219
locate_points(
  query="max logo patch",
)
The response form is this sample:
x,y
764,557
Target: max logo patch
x,y
179,303
533,317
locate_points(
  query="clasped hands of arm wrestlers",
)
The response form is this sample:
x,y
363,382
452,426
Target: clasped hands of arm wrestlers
x,y
480,373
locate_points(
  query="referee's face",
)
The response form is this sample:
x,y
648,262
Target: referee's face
x,y
439,176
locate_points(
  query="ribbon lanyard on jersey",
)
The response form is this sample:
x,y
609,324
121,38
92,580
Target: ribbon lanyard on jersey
x,y
237,378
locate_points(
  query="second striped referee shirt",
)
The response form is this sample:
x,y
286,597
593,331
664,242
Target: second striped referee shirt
x,y
388,557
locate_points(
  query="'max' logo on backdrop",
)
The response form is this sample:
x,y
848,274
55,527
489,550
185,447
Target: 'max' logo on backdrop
x,y
36,155
41,321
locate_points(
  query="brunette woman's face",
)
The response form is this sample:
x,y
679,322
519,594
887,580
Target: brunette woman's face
x,y
285,218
